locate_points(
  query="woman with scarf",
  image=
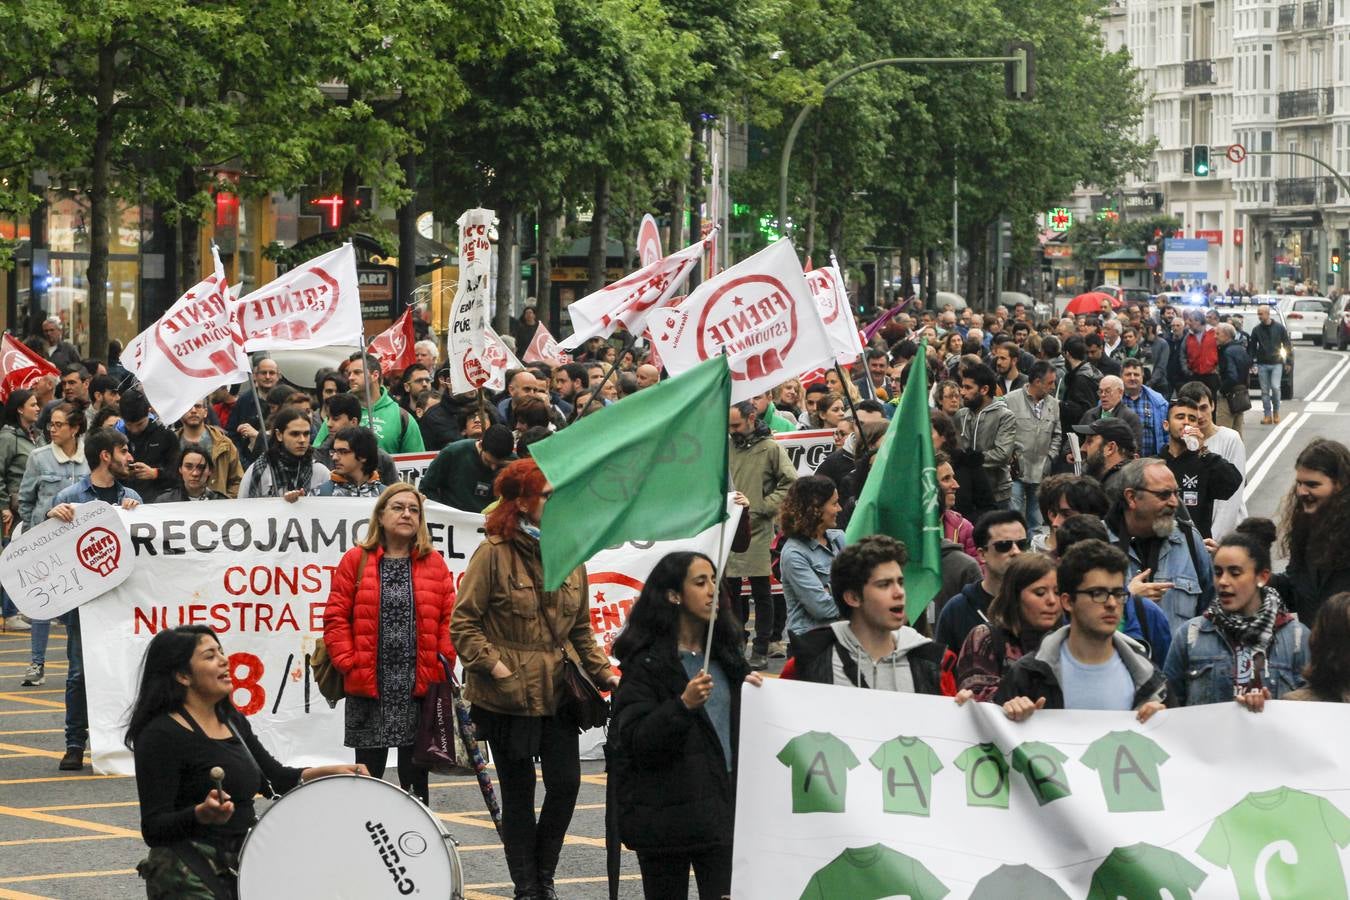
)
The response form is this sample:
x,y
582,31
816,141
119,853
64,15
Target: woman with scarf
x,y
1025,609
511,635
288,468
1247,646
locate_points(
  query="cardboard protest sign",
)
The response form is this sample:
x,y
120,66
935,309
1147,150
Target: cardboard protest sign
x,y
56,566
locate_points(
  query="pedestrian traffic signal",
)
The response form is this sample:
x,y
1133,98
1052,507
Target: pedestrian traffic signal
x,y
1200,160
1335,261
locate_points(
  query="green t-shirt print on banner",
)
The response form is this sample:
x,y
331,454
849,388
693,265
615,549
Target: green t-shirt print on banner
x,y
1127,764
1142,872
1043,766
907,767
986,776
871,873
1281,845
820,764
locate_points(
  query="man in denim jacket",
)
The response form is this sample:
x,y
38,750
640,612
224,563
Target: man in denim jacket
x,y
1168,551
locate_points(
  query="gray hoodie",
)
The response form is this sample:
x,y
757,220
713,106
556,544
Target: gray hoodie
x,y
890,673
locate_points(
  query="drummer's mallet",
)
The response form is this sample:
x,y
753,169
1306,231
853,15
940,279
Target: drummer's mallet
x,y
218,776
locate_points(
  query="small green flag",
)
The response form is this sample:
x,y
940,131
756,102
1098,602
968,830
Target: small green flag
x,y
900,497
652,467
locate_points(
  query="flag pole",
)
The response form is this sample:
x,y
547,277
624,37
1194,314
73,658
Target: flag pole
x,y
262,420
365,368
717,583
848,398
595,394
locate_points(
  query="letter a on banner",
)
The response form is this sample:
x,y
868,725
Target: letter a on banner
x,y
760,313
317,304
193,349
468,321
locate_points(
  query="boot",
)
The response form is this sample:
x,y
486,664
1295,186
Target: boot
x,y
524,873
1276,418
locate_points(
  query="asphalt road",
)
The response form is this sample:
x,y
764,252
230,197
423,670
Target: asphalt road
x,y
76,835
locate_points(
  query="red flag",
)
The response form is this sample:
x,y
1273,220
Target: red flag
x,y
20,367
543,348
393,347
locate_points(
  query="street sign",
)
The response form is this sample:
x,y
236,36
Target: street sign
x,y
1236,153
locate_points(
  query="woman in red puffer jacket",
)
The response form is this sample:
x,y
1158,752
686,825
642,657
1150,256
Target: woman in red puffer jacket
x,y
387,619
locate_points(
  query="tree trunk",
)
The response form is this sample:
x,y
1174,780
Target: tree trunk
x,y
506,247
930,282
595,262
548,223
677,200
407,239
811,208
835,235
99,199
188,233
696,154
923,271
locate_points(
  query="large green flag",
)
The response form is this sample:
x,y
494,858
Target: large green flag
x,y
652,467
900,497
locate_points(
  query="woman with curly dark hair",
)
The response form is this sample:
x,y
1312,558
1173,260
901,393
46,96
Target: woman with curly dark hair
x,y
811,542
1328,669
1316,520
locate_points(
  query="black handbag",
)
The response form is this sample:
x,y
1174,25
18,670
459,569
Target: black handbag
x,y
581,701
1239,399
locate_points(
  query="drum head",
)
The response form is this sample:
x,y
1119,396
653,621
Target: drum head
x,y
348,836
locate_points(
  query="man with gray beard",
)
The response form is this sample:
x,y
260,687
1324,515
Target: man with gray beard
x,y
1168,560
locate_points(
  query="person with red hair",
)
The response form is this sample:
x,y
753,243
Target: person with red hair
x,y
511,635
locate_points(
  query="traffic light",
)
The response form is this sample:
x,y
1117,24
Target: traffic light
x,y
1335,261
1200,160
1019,75
1005,239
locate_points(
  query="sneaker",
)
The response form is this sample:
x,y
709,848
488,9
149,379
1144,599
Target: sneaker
x,y
778,650
758,662
73,761
17,623
35,675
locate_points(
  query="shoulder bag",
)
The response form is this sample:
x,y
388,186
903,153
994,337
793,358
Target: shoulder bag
x,y
326,675
581,701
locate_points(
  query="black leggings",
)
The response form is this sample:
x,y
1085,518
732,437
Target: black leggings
x,y
412,778
532,846
667,874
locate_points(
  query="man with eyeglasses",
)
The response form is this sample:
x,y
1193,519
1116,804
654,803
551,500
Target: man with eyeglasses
x,y
356,460
1203,476
1168,561
1000,537
1089,663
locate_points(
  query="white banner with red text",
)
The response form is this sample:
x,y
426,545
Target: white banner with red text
x,y
861,793
258,572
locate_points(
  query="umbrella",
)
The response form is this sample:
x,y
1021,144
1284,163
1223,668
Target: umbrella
x,y
467,734
1090,302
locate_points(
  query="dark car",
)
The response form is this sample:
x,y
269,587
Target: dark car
x,y
1336,329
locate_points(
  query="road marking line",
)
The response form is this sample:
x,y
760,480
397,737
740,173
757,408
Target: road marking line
x,y
1255,481
32,701
31,712
1321,406
62,840
32,751
1333,385
33,731
58,875
1256,455
590,879
20,895
120,803
97,827
60,778
1339,366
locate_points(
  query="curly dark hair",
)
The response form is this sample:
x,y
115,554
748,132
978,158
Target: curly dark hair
x,y
854,565
1317,540
802,508
1328,670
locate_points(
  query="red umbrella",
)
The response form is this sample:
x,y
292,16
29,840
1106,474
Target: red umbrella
x,y
1090,302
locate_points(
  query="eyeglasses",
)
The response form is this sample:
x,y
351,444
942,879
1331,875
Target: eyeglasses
x,y
1162,495
399,510
1100,595
57,423
1006,546
340,451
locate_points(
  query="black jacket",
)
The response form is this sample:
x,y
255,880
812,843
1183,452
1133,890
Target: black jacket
x,y
1306,587
1265,342
178,495
671,782
1234,365
974,497
813,660
159,447
1203,478
1078,393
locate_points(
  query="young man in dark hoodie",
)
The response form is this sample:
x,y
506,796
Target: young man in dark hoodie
x,y
1087,664
873,646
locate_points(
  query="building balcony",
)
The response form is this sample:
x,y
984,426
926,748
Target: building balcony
x,y
1310,103
1321,191
1288,17
1199,72
1312,14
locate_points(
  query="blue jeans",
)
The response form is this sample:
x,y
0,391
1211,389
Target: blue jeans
x,y
1024,501
1270,375
37,640
77,712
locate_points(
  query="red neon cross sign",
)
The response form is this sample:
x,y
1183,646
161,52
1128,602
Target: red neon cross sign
x,y
334,204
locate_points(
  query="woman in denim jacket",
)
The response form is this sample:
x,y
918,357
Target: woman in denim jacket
x,y
1247,646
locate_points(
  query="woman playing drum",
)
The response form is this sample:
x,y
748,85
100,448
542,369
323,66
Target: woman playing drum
x,y
185,732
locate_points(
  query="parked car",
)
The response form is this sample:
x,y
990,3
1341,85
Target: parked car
x,y
1305,316
1336,329
1249,322
1179,299
1126,294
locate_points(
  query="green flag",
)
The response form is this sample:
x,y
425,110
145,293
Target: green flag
x,y
652,467
900,497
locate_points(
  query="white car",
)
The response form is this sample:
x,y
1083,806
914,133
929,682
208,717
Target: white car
x,y
1305,316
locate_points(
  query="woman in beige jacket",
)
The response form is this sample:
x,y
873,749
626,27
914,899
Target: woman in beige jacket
x,y
503,628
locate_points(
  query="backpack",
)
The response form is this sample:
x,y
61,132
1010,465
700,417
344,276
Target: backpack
x,y
776,556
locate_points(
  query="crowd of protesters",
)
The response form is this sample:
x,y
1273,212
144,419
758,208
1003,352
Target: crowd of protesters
x,y
1096,549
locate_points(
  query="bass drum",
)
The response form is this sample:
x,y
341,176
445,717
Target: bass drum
x,y
349,836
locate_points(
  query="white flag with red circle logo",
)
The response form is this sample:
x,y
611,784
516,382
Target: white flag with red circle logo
x,y
193,349
827,286
316,304
471,358
393,347
760,313
631,299
20,367
543,348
